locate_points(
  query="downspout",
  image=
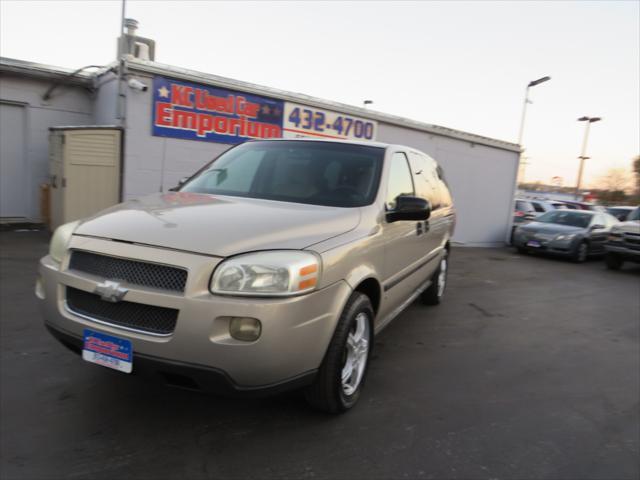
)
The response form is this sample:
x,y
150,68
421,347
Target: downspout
x,y
121,100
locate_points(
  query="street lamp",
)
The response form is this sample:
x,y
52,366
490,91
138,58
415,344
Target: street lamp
x,y
367,102
583,155
527,101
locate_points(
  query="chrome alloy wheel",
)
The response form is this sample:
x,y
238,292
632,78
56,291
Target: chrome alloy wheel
x,y
442,276
356,354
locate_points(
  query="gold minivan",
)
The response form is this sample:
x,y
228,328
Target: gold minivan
x,y
271,268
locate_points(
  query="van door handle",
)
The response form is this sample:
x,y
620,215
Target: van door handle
x,y
426,226
419,228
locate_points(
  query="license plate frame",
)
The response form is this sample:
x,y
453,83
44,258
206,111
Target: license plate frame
x,y
107,350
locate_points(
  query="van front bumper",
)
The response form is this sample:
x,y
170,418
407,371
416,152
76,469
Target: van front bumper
x,y
296,331
189,376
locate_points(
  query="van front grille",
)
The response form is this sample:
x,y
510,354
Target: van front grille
x,y
130,315
133,272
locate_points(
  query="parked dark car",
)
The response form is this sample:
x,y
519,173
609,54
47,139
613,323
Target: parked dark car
x,y
573,233
620,212
623,244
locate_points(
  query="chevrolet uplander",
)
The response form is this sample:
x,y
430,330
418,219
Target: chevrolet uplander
x,y
269,269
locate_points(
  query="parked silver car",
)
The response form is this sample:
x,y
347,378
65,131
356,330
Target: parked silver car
x,y
623,244
573,233
271,268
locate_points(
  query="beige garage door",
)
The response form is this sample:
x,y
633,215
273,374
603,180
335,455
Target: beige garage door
x,y
89,174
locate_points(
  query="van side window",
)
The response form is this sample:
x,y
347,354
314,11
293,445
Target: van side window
x,y
400,182
426,178
445,195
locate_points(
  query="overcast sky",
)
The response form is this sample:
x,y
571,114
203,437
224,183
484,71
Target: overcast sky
x,y
462,65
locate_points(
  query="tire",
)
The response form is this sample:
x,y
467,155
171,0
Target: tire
x,y
433,294
329,392
613,261
581,252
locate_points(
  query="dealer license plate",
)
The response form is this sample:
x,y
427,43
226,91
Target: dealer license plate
x,y
108,351
533,243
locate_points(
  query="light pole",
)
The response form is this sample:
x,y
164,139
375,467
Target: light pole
x,y
366,102
527,101
583,155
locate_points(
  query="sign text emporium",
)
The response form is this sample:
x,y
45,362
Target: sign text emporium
x,y
199,112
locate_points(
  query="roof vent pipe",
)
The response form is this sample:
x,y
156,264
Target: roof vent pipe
x,y
131,25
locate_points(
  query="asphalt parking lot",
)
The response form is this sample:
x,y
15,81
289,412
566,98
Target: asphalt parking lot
x,y
530,369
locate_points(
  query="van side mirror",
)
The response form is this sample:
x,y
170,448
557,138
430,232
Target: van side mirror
x,y
410,208
182,181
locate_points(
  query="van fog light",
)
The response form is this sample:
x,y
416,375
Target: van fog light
x,y
40,287
245,329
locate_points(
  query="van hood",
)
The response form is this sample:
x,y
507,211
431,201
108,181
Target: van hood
x,y
219,225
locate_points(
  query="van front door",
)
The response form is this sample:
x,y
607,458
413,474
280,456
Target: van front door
x,y
402,248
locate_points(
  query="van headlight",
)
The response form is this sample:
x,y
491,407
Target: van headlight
x,y
268,274
60,240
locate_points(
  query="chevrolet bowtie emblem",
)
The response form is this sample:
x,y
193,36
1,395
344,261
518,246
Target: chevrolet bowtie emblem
x,y
110,291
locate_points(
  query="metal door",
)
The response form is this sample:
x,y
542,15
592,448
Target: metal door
x,y
14,184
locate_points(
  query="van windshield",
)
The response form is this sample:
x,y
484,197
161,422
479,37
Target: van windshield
x,y
318,173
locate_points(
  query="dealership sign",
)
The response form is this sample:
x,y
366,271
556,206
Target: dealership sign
x,y
198,112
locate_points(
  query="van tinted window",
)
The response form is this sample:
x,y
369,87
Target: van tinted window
x,y
445,195
400,182
426,178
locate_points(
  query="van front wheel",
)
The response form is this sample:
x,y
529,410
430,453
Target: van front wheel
x,y
341,376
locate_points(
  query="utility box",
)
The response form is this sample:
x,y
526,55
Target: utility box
x,y
84,166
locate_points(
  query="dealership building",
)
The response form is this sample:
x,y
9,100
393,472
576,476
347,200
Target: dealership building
x,y
138,126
